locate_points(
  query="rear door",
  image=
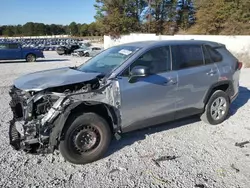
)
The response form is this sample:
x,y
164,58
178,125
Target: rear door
x,y
14,51
196,74
150,100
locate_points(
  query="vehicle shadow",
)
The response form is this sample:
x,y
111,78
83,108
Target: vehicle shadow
x,y
51,60
38,61
241,100
138,135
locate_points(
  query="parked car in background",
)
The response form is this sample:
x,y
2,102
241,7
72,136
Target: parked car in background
x,y
14,51
126,87
87,51
67,50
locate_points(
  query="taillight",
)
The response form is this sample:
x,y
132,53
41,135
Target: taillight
x,y
239,65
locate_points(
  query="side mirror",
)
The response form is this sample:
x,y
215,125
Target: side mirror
x,y
137,72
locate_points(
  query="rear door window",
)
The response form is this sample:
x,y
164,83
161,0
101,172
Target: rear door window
x,y
187,56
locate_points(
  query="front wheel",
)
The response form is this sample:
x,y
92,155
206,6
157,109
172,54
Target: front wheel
x,y
31,58
86,140
86,54
217,108
81,54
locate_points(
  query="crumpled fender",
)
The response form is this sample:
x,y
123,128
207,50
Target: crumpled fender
x,y
109,96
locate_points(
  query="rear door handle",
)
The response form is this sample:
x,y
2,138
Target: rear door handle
x,y
211,72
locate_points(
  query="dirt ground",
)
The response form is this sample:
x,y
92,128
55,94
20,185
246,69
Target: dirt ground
x,y
189,152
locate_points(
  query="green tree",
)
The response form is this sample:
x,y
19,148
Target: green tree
x,y
84,30
117,16
73,29
9,31
28,29
226,17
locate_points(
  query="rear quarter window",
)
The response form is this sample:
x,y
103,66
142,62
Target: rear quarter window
x,y
214,54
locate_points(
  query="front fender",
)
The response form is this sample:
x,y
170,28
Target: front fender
x,y
108,96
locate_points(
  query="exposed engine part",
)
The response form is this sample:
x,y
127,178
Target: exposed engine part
x,y
33,127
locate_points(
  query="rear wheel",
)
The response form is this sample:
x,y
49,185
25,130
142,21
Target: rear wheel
x,y
31,58
86,140
86,54
217,108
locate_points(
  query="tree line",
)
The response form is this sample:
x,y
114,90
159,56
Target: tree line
x,y
116,17
229,17
41,29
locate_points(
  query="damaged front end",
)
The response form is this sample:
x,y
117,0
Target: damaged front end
x,y
39,117
32,113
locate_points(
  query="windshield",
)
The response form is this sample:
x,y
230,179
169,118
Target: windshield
x,y
83,47
109,59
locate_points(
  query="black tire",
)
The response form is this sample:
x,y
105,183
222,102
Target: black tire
x,y
72,147
86,54
219,115
30,58
81,54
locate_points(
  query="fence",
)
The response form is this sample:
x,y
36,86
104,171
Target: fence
x,y
238,45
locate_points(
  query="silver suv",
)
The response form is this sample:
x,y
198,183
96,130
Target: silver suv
x,y
127,87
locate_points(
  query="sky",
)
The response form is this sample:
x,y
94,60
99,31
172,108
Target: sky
x,y
13,12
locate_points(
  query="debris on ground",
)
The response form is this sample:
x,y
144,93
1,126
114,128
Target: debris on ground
x,y
156,163
147,156
114,170
117,170
157,179
233,167
242,144
164,158
200,185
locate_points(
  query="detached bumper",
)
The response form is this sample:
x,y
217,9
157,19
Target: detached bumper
x,y
30,131
14,136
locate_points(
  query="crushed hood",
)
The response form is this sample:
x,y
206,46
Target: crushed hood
x,y
41,80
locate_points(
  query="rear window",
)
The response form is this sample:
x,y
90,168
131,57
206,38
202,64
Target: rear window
x,y
214,54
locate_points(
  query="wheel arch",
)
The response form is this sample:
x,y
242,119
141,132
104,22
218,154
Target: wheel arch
x,y
30,53
225,85
109,113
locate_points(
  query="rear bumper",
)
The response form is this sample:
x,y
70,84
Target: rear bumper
x,y
232,98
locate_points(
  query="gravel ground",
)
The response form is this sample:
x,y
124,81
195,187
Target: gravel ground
x,y
200,155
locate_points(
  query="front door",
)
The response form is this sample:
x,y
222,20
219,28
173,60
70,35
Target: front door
x,y
150,100
3,51
196,74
